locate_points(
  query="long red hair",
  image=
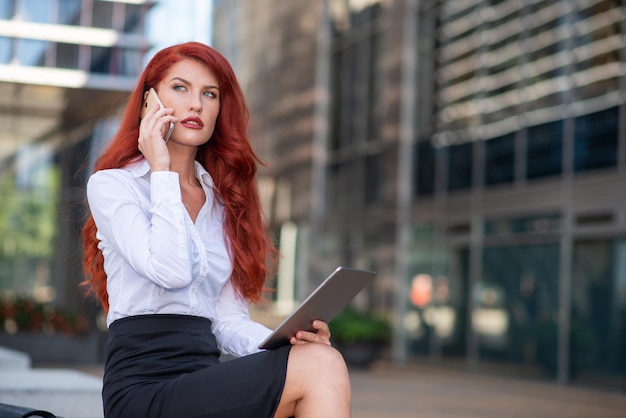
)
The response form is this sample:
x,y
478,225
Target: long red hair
x,y
228,157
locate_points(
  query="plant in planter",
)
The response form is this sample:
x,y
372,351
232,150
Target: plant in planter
x,y
27,315
359,336
46,333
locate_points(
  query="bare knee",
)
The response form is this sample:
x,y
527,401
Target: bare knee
x,y
316,375
318,359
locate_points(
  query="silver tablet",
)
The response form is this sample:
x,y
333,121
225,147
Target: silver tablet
x,y
324,303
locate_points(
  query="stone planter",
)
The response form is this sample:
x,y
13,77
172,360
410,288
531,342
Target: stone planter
x,y
56,348
360,354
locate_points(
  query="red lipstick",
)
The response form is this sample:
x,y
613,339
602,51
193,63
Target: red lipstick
x,y
192,122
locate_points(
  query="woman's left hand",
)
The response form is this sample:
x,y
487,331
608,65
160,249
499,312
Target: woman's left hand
x,y
321,335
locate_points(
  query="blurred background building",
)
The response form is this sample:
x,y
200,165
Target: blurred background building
x,y
65,66
471,152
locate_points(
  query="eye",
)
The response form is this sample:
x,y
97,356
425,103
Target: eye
x,y
210,93
179,87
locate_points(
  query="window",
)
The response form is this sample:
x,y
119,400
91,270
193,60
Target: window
x,y
102,14
544,150
7,9
595,140
6,50
31,52
460,166
35,11
425,170
68,12
67,56
500,160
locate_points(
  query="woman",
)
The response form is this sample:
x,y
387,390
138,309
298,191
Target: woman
x,y
175,249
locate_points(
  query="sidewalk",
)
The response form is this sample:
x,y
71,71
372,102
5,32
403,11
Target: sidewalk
x,y
421,391
432,392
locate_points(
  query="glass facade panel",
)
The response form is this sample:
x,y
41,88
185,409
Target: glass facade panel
x,y
437,303
425,171
7,9
36,11
595,140
545,149
102,16
373,176
460,163
500,160
68,12
6,50
31,52
101,60
133,23
29,196
67,56
517,306
598,317
131,62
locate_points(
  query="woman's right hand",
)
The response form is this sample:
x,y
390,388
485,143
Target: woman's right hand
x,y
151,142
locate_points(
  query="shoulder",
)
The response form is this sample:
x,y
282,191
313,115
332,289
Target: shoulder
x,y
115,180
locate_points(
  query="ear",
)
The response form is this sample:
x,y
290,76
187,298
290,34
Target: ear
x,y
145,95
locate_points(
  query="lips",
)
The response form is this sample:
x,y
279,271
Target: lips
x,y
192,123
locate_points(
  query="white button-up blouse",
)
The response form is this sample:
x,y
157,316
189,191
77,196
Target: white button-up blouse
x,y
158,261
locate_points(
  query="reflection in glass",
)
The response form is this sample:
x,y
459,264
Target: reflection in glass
x,y
516,306
460,163
35,11
31,52
6,50
102,14
595,140
500,159
598,319
67,55
29,196
68,12
545,148
7,9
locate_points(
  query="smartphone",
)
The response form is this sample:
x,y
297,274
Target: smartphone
x,y
150,99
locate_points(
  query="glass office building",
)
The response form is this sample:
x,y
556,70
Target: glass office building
x,y
472,152
66,66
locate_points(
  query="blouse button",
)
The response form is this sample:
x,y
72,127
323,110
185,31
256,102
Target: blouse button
x,y
194,289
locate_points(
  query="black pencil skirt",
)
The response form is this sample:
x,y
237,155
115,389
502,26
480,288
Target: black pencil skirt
x,y
162,366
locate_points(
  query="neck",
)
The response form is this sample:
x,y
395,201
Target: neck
x,y
183,163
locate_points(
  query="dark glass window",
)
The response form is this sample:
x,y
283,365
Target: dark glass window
x,y
101,60
102,14
500,160
67,56
516,304
133,20
425,170
460,166
598,311
373,175
545,149
595,140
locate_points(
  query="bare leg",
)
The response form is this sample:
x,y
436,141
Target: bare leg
x,y
317,384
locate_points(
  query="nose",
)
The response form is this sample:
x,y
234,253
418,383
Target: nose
x,y
195,104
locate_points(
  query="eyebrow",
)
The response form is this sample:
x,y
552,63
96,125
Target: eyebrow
x,y
182,80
